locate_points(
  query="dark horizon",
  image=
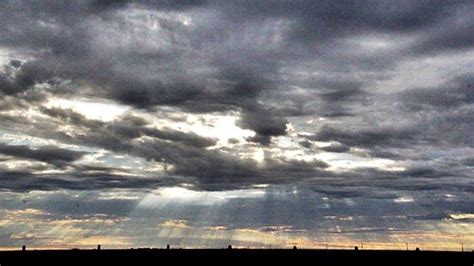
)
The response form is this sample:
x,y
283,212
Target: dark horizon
x,y
236,256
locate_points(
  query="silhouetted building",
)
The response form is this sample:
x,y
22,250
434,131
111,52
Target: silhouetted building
x,y
417,249
294,247
23,248
168,246
98,247
229,247
356,248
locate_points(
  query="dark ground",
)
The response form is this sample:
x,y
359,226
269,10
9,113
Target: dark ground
x,y
234,256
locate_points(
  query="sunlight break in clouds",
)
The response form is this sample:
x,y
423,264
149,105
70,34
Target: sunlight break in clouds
x,y
91,110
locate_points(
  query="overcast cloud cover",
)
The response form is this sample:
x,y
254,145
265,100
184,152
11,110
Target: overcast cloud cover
x,y
203,123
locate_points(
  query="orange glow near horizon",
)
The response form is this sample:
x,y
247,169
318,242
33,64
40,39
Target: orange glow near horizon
x,y
277,238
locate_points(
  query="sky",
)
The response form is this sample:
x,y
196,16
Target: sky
x,y
263,124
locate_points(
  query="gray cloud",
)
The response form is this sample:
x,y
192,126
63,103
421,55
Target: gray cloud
x,y
74,47
128,127
244,72
337,148
187,153
456,92
264,124
394,137
47,154
25,181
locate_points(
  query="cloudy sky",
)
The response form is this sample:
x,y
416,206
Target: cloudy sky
x,y
254,123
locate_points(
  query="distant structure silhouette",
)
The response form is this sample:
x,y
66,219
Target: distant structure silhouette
x,y
98,247
294,247
356,248
229,247
23,248
240,256
417,249
168,246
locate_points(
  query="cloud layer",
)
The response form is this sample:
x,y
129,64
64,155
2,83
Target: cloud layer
x,y
370,100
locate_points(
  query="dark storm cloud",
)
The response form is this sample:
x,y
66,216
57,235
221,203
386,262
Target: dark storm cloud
x,y
19,77
454,33
127,128
48,154
215,170
206,170
70,116
243,56
265,125
8,86
340,103
347,16
186,152
446,110
160,4
388,137
49,26
25,181
73,57
457,91
342,91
